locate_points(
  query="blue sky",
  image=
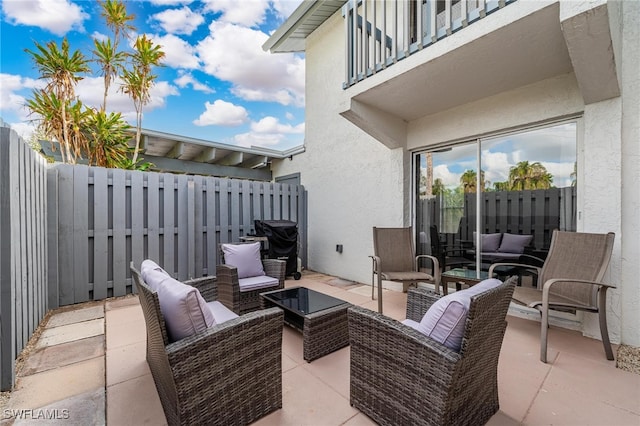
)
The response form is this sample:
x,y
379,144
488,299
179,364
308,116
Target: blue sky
x,y
217,83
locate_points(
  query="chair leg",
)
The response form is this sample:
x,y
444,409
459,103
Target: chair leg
x,y
602,317
379,293
544,327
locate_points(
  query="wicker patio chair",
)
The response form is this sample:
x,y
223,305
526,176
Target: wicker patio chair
x,y
241,302
394,259
229,374
570,279
399,376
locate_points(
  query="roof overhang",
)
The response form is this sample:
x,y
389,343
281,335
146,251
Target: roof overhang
x,y
290,36
174,153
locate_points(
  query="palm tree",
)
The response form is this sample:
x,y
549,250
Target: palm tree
x,y
109,138
526,176
139,80
62,70
468,181
111,61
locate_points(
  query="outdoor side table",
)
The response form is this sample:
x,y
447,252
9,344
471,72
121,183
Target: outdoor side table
x,y
460,276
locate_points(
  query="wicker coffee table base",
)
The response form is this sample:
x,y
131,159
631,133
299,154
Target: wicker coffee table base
x,y
323,332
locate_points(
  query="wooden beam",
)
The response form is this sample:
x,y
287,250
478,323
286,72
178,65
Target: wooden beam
x,y
232,159
208,155
176,151
192,167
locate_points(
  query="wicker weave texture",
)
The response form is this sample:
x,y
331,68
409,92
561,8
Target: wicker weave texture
x,y
242,302
325,332
230,374
400,376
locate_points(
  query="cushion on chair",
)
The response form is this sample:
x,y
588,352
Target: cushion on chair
x,y
514,243
490,242
444,321
184,310
254,283
245,257
220,312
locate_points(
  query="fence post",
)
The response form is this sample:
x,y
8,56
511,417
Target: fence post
x,y
191,228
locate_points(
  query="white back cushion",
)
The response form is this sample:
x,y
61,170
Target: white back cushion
x,y
245,257
184,309
445,319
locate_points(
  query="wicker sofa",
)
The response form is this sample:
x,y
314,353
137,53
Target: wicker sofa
x,y
229,374
400,376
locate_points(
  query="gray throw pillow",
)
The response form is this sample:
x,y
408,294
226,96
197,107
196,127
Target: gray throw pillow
x,y
514,243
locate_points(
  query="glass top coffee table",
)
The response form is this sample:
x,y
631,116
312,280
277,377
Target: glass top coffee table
x,y
461,276
321,318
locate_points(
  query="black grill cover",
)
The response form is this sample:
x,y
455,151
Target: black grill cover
x,y
282,236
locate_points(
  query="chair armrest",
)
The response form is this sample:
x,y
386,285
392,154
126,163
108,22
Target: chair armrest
x,y
375,261
386,353
228,287
275,268
247,348
419,300
207,287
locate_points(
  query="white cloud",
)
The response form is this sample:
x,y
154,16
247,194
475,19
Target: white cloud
x,y
10,100
285,8
178,53
99,36
186,79
25,130
222,113
90,91
247,12
272,125
234,53
289,116
55,16
268,132
169,2
179,21
449,179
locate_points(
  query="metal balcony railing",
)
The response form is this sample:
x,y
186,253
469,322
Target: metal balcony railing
x,y
379,33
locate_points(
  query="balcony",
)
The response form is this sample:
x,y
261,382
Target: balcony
x,y
381,33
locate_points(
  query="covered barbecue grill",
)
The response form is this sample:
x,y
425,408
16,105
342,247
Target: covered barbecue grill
x,y
282,238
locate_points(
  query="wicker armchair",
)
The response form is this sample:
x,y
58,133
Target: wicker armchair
x,y
241,302
400,376
229,374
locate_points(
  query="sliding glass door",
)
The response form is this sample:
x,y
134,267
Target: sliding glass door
x,y
514,188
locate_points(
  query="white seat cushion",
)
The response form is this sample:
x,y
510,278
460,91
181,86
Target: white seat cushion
x,y
220,312
254,283
183,308
245,257
444,321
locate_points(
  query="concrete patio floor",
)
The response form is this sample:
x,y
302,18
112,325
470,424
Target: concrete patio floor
x,y
88,367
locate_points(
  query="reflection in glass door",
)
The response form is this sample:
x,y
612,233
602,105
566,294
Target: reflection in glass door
x,y
525,187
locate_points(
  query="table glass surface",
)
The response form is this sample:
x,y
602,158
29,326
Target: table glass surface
x,y
469,274
302,300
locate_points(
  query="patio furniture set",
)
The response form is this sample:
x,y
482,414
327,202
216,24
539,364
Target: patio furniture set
x,y
214,345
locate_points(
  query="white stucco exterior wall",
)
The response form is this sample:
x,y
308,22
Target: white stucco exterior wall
x,y
354,183
629,68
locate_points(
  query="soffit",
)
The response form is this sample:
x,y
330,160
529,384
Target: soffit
x,y
521,52
291,36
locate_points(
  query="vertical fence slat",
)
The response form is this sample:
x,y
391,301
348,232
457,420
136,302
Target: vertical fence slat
x,y
137,218
100,237
169,225
212,240
198,229
246,209
80,234
118,239
183,241
153,216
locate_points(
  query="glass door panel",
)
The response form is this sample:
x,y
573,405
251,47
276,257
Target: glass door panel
x,y
526,188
